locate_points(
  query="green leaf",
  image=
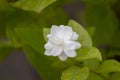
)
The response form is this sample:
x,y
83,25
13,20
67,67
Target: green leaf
x,y
84,37
75,73
46,31
88,53
53,19
116,39
109,66
115,76
4,14
36,5
32,37
92,63
94,76
42,64
105,21
91,30
113,53
61,65
2,27
5,51
13,37
18,18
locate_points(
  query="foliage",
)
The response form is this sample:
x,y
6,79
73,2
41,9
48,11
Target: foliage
x,y
25,24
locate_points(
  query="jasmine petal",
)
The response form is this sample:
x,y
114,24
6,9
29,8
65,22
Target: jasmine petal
x,y
72,45
62,57
72,53
48,52
74,36
49,46
56,51
62,42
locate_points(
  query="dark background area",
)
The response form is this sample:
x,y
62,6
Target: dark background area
x,y
16,67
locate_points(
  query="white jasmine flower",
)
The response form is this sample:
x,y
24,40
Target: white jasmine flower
x,y
62,42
